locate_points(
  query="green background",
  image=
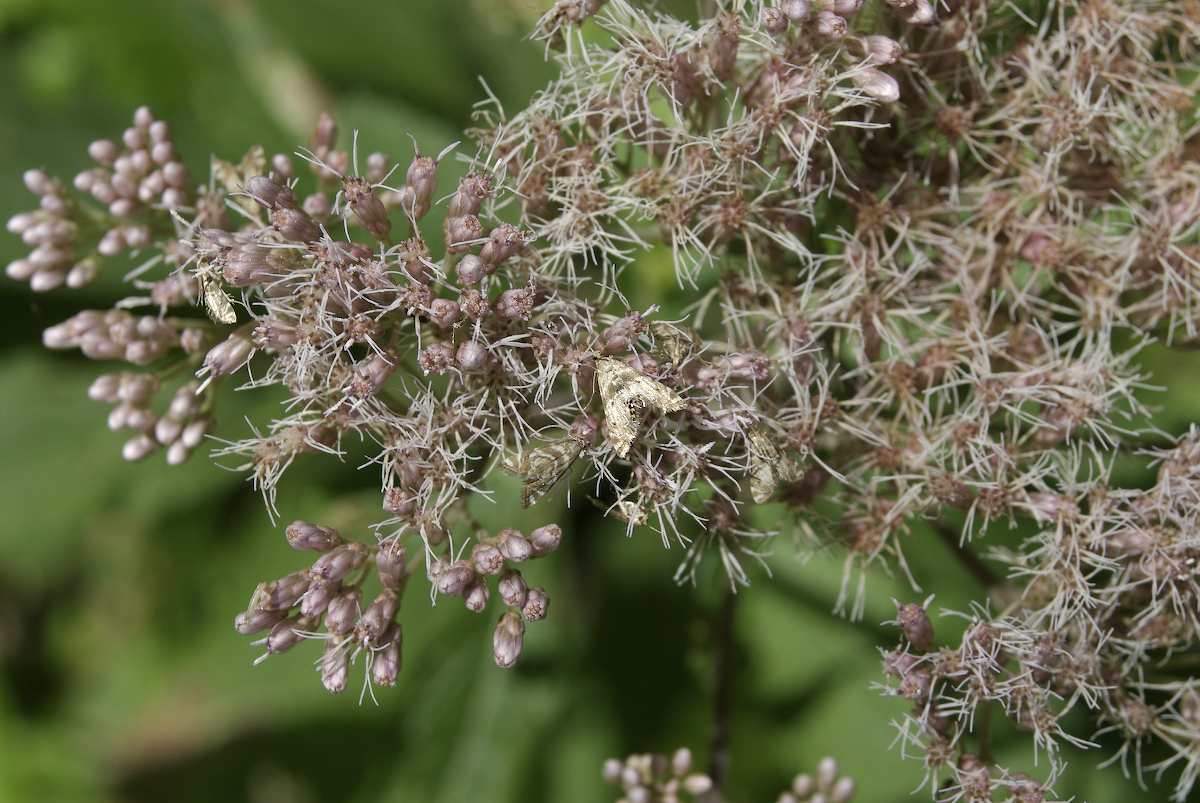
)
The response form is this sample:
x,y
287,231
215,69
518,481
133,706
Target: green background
x,y
121,678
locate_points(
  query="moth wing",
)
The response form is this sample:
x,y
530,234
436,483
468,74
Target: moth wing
x,y
217,303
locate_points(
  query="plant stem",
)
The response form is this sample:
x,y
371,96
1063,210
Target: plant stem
x,y
723,647
970,561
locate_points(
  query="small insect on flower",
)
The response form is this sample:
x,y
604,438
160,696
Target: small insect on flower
x,y
542,468
671,342
767,466
624,391
216,300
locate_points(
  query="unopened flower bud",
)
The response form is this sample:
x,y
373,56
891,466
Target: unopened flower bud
x,y
270,193
294,225
476,595
304,535
883,49
514,546
342,613
537,605
454,578
339,562
512,588
472,357
914,621
335,667
379,614
250,622
386,661
280,594
487,559
545,540
391,563
878,84
318,596
508,640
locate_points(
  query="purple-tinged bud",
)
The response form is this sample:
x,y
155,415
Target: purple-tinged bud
x,y
774,21
504,241
103,151
422,177
537,605
377,167
883,49
681,762
178,453
335,667
476,595
697,784
166,430
83,274
367,207
248,265
516,304
487,559
173,198
270,193
914,621
842,791
339,562
228,355
138,448
514,546
175,174
287,634
922,13
830,25
194,433
137,388
472,191
472,357
370,376
474,304
844,8
281,594
444,313
461,232
378,616
512,589
318,596
796,10
343,610
281,165
508,640
325,136
471,269
391,563
386,661
38,182
250,622
454,579
436,358
105,388
318,206
826,772
294,225
878,84
20,269
545,540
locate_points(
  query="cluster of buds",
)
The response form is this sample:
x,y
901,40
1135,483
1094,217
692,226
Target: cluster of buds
x,y
114,335
325,600
656,778
135,182
822,786
180,429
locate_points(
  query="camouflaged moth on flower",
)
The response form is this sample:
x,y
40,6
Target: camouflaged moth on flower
x,y
541,469
768,466
625,393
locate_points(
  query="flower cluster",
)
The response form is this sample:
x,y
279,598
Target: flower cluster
x,y
925,249
656,778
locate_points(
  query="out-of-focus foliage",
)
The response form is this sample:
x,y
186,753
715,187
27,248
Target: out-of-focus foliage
x,y
120,675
